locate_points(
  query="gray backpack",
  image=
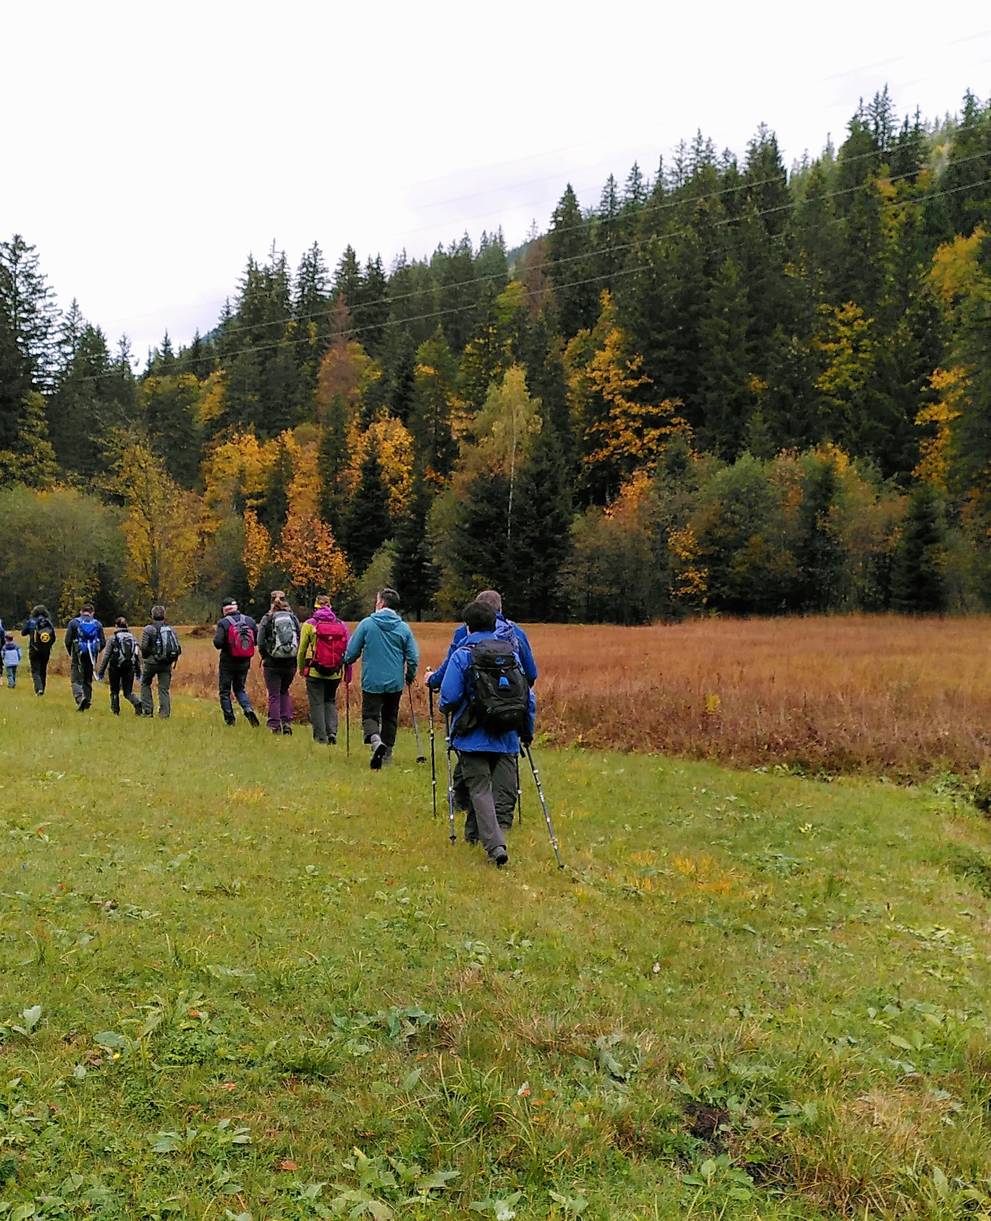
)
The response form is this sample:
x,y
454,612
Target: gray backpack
x,y
284,636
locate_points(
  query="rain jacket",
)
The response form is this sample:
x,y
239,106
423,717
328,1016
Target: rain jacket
x,y
505,629
388,652
455,697
308,644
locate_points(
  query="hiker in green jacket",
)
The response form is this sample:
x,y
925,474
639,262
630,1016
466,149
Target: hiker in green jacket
x,y
389,658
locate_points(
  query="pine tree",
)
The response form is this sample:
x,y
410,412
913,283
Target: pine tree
x,y
31,460
367,524
433,404
541,534
918,575
726,398
371,307
569,265
27,331
414,571
347,278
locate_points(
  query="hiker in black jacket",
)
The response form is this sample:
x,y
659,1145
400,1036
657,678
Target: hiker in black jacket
x,y
160,650
121,658
235,639
40,632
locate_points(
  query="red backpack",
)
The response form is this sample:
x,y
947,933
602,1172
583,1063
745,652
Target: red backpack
x,y
332,642
240,638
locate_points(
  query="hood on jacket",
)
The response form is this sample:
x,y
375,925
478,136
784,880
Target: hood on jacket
x,y
388,620
324,613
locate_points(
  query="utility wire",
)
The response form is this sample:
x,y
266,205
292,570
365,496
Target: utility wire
x,y
653,242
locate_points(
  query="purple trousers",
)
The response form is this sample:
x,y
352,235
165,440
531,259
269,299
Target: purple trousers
x,y
278,680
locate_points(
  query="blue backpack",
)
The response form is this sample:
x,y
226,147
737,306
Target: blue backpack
x,y
88,636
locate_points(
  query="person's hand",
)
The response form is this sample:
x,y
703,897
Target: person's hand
x,y
427,675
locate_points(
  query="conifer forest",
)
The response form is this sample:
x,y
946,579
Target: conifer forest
x,y
733,385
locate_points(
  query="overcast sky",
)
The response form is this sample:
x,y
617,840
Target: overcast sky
x,y
147,149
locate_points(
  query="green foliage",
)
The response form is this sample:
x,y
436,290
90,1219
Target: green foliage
x,y
728,304
58,547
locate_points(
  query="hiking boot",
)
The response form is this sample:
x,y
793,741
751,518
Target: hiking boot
x,y
138,710
250,717
501,858
229,721
387,757
331,741
379,749
286,729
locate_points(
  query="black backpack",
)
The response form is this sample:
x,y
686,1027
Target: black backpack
x,y
499,695
42,634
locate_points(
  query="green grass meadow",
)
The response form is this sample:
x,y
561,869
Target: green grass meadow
x,y
245,977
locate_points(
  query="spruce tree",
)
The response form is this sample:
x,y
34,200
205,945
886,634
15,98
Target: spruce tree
x,y
27,331
414,571
367,524
570,267
541,532
918,574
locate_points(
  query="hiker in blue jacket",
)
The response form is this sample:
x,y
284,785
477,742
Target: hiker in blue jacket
x,y
389,658
487,756
84,642
505,629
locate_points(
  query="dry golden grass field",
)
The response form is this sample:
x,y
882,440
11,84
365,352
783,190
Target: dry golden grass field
x,y
885,695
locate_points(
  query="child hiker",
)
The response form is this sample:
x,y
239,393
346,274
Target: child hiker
x,y
11,658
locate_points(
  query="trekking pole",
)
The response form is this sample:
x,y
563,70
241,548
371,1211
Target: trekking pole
x,y
347,719
420,756
452,834
433,758
543,805
519,793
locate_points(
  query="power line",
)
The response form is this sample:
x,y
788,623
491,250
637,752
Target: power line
x,y
643,209
610,275
688,202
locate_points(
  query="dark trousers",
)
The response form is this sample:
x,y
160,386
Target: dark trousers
x,y
122,683
233,675
81,676
491,782
505,803
39,670
163,670
380,714
278,680
322,694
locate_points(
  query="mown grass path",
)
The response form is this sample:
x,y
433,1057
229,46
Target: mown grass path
x,y
246,977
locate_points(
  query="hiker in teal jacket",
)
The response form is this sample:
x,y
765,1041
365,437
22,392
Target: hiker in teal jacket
x,y
389,658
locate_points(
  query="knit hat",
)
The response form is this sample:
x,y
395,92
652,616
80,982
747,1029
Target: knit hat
x,y
229,605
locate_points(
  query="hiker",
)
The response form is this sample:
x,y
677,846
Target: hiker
x,y
389,658
235,638
40,632
278,643
84,642
122,659
160,651
491,705
323,642
505,629
11,658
